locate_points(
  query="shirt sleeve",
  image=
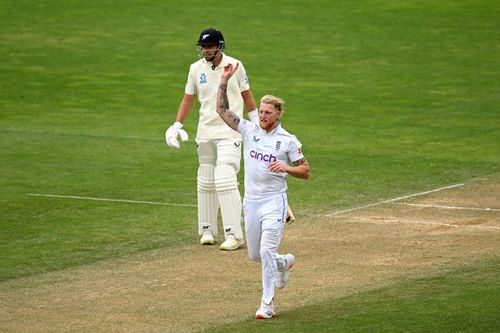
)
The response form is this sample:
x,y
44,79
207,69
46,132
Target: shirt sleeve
x,y
245,127
243,78
295,150
190,88
241,127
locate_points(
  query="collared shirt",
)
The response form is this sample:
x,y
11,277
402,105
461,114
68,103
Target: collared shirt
x,y
259,150
204,82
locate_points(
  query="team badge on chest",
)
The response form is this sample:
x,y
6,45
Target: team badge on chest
x,y
203,78
278,145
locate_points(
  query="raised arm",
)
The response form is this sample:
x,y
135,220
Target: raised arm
x,y
250,106
229,117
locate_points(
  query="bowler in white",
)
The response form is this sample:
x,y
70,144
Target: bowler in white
x,y
270,154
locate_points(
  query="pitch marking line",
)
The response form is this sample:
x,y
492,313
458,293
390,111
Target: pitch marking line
x,y
433,223
393,200
449,207
109,200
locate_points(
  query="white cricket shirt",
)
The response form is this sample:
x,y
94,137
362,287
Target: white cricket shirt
x,y
204,82
259,150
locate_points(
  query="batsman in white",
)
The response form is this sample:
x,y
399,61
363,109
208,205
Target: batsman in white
x,y
270,153
219,147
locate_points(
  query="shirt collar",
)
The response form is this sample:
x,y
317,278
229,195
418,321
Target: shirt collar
x,y
221,64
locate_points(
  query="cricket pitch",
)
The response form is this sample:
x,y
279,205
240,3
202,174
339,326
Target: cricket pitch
x,y
190,288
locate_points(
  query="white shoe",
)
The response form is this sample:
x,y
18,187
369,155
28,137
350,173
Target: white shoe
x,y
265,311
207,238
282,277
231,243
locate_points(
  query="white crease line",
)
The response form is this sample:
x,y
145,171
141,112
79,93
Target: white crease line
x,y
109,200
393,200
431,223
449,207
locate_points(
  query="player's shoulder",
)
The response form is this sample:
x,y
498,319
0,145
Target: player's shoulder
x,y
286,136
251,125
283,132
230,59
197,65
247,126
197,62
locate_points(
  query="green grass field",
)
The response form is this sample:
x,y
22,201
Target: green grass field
x,y
387,97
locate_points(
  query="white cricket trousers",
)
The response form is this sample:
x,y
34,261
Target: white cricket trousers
x,y
264,224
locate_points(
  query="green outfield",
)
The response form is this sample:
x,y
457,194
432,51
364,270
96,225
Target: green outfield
x,y
389,98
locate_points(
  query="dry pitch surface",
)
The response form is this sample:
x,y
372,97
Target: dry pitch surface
x,y
189,288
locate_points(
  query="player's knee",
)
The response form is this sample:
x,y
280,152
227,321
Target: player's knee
x,y
205,178
253,253
266,252
232,165
225,178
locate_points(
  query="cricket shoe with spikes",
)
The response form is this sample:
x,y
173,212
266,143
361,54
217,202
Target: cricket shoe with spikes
x,y
265,311
282,276
231,243
207,238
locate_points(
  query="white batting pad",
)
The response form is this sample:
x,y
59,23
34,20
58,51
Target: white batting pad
x,y
226,185
208,203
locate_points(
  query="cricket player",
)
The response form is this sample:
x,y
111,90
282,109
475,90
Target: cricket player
x,y
219,150
270,153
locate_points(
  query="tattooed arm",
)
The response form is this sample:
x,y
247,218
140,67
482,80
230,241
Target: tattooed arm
x,y
222,108
298,169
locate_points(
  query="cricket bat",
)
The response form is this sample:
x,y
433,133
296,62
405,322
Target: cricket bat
x,y
289,216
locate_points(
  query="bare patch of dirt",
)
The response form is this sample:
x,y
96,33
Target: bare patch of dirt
x,y
188,288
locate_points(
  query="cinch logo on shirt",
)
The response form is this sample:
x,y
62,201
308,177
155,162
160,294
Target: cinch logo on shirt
x,y
262,157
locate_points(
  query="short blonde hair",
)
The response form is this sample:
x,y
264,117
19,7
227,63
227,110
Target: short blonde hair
x,y
273,100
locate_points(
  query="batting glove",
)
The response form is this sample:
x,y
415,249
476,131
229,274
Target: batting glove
x,y
173,132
